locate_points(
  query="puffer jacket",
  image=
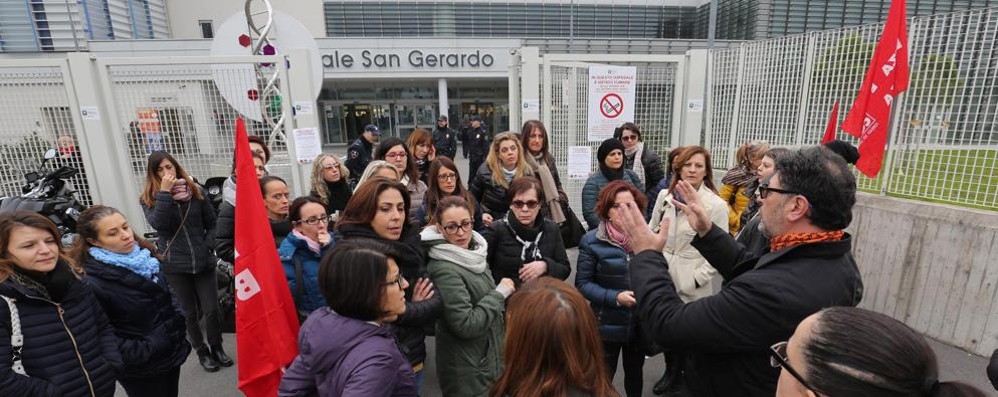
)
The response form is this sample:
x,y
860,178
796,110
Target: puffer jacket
x,y
294,248
411,258
225,232
146,318
693,276
69,346
737,201
358,359
493,197
183,239
590,194
506,252
603,272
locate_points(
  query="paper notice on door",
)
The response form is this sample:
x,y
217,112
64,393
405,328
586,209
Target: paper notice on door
x,y
308,144
580,162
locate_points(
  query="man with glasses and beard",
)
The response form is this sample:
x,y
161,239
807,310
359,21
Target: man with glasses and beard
x,y
806,205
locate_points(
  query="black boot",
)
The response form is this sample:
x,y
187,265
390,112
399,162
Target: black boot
x,y
661,385
206,359
220,357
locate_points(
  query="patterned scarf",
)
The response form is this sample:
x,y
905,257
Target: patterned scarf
x,y
634,155
789,240
507,174
618,237
531,249
312,245
739,176
140,261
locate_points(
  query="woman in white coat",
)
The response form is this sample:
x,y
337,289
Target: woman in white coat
x,y
693,277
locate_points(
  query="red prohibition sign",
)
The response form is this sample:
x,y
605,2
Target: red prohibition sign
x,y
611,106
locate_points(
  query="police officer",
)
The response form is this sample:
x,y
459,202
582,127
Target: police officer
x,y
444,138
478,142
359,152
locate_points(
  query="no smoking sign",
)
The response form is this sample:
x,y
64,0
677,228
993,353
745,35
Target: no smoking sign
x,y
611,105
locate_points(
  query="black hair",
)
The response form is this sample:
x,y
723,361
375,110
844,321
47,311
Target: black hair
x,y
857,352
294,211
352,278
619,131
822,177
267,179
387,144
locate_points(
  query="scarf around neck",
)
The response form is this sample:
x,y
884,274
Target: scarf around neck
x,y
634,154
312,245
789,240
618,237
739,176
507,174
551,195
528,236
339,195
140,261
474,259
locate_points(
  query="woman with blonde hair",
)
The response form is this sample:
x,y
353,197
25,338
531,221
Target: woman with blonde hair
x,y
420,144
490,185
738,179
377,168
553,346
329,183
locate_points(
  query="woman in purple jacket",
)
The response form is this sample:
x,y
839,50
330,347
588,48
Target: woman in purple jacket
x,y
346,349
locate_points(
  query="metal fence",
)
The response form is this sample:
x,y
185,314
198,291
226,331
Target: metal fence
x,y
944,137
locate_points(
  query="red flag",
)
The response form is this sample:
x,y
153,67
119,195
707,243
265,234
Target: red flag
x,y
833,119
869,117
266,320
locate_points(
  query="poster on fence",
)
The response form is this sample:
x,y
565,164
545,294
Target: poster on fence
x,y
611,99
580,162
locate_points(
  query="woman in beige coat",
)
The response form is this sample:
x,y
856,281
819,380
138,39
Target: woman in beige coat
x,y
693,277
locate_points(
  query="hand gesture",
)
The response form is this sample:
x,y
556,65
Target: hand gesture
x,y
626,299
508,284
167,182
533,270
695,213
423,290
632,223
324,237
487,219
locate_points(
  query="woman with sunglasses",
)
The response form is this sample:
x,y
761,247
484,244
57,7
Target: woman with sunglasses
x,y
445,180
603,278
847,351
378,211
302,250
345,347
491,182
329,183
396,153
524,246
470,331
639,158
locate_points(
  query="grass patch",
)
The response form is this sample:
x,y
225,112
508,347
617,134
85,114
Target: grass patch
x,y
963,177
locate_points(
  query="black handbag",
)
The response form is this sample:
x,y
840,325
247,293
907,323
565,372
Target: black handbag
x,y
571,229
643,342
299,295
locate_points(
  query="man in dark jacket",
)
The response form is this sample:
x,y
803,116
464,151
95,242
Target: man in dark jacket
x,y
805,206
478,143
359,152
444,138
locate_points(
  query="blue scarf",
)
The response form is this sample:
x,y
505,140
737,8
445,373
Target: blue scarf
x,y
140,261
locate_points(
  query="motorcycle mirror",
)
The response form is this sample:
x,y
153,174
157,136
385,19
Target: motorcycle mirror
x,y
50,154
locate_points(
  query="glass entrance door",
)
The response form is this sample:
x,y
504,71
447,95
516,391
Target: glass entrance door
x,y
410,116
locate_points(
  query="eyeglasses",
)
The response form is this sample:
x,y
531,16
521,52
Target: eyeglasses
x,y
778,359
398,281
393,156
447,177
519,204
314,221
451,228
629,138
764,190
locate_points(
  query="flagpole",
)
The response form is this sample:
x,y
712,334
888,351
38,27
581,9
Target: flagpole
x,y
895,129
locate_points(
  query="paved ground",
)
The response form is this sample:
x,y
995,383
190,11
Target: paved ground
x,y
955,364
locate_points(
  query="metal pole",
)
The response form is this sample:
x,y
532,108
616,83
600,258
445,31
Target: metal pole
x,y
711,33
72,26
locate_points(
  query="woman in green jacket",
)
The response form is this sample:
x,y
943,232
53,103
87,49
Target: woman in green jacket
x,y
470,332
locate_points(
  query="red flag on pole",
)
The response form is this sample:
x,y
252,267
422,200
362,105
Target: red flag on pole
x,y
266,320
833,119
887,76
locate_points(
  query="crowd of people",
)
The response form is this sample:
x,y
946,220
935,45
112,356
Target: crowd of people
x,y
747,290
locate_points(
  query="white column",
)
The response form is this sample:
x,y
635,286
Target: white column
x,y
444,106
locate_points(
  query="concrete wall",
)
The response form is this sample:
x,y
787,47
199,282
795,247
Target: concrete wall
x,y
932,266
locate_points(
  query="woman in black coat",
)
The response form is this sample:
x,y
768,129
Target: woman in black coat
x,y
124,273
491,182
640,158
523,245
176,208
67,348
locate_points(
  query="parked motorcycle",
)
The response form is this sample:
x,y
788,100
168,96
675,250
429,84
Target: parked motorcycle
x,y
48,193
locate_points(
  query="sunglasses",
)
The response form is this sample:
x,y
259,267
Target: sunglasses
x,y
764,190
778,359
629,138
530,204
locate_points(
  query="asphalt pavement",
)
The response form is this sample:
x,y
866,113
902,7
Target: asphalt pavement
x,y
954,363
